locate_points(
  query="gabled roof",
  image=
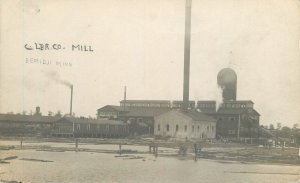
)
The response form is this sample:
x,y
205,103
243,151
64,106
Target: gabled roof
x,y
195,115
109,108
136,111
146,111
28,118
198,116
90,121
269,132
207,110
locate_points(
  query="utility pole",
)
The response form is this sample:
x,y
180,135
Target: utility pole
x,y
239,126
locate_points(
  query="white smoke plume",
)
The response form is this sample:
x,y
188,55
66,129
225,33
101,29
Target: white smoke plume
x,y
219,97
55,77
196,99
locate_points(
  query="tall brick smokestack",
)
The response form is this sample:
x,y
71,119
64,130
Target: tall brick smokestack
x,y
71,101
187,45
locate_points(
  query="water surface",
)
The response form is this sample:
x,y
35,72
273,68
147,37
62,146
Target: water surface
x,y
78,167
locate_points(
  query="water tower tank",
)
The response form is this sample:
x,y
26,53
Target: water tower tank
x,y
227,80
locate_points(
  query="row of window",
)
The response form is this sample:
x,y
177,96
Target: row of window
x,y
232,132
107,113
139,120
180,104
145,105
249,129
234,105
243,117
106,127
186,127
229,118
207,105
155,105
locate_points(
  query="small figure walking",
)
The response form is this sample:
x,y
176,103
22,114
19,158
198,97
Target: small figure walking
x,y
156,151
76,144
21,143
120,148
270,142
196,151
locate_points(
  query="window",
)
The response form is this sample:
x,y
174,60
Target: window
x,y
207,128
198,128
167,127
193,128
158,127
131,120
177,128
185,128
212,128
78,127
231,132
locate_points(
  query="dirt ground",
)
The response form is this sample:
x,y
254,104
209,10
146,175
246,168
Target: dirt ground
x,y
207,150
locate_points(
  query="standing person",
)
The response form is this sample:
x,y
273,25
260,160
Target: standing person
x,y
283,145
76,144
196,151
21,143
270,142
120,148
156,151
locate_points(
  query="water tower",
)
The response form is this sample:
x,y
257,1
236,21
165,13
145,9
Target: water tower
x,y
227,80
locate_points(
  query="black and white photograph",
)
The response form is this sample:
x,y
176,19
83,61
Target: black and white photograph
x,y
149,91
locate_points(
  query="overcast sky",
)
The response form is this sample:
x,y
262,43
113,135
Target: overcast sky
x,y
139,43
